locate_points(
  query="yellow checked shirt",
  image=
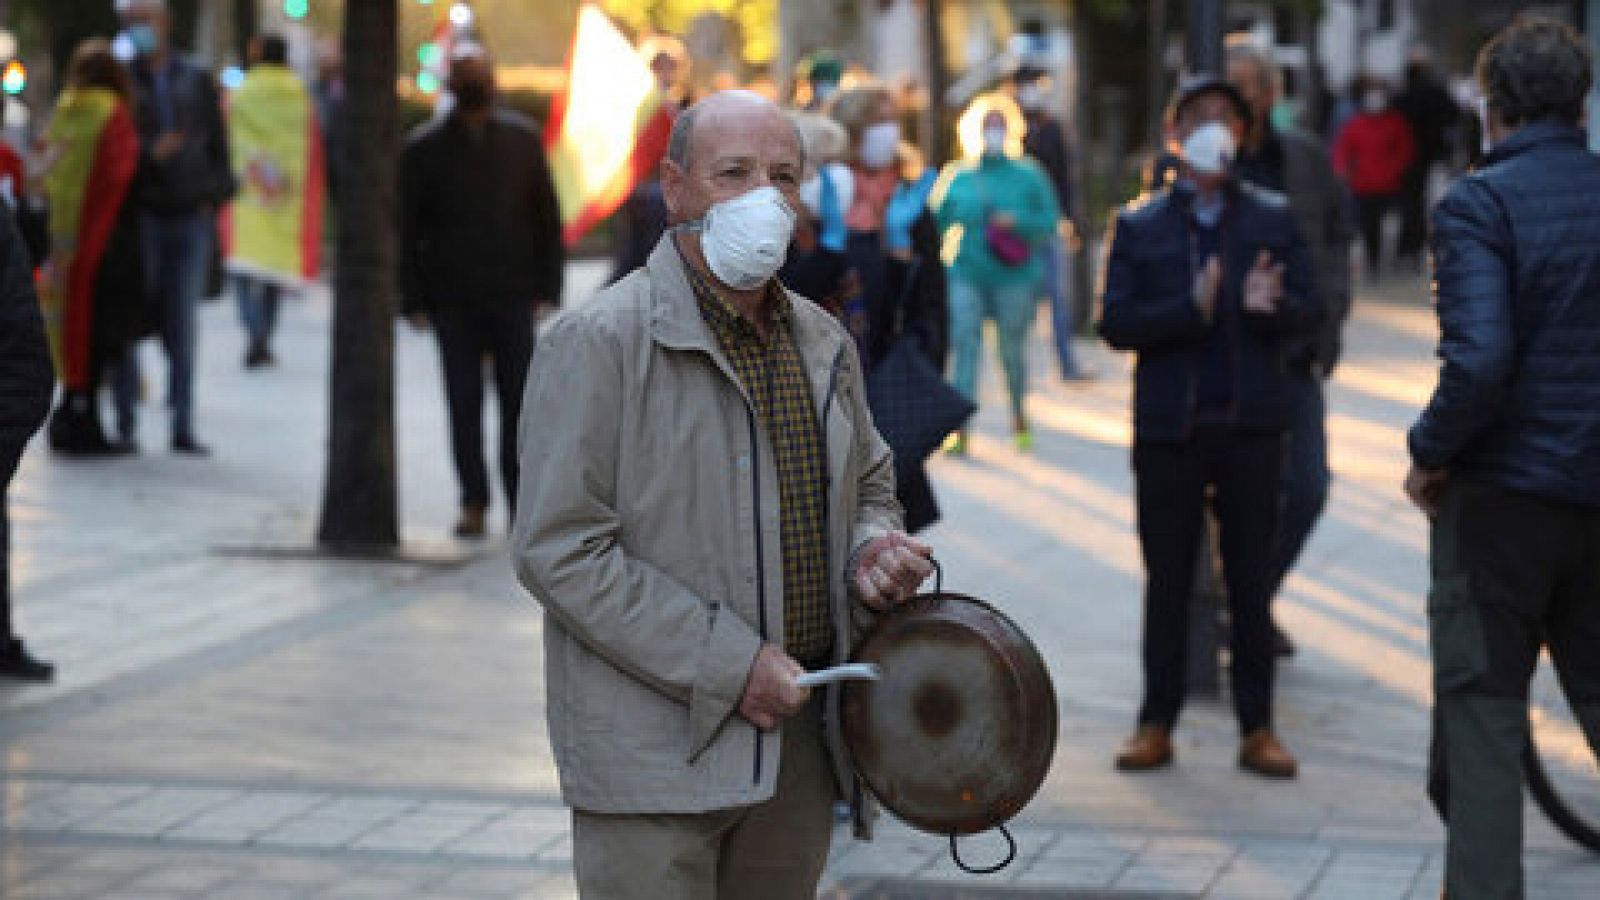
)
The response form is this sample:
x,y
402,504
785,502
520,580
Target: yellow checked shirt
x,y
775,378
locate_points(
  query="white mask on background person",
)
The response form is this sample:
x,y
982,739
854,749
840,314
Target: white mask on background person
x,y
844,188
1209,148
994,141
746,239
879,144
1374,102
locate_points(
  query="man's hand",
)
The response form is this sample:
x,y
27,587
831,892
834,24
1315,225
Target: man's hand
x,y
1424,487
770,694
1206,284
889,569
167,145
1263,285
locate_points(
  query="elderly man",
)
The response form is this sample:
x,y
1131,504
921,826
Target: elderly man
x,y
1294,164
705,512
1209,282
185,177
1506,456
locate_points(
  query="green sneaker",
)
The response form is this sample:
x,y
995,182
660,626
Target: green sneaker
x,y
956,444
1024,441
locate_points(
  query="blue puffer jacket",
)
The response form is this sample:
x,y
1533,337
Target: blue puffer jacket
x,y
1148,306
1516,251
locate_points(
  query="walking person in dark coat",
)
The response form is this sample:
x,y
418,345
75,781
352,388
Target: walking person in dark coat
x,y
185,177
480,233
26,383
1208,281
1506,456
1433,114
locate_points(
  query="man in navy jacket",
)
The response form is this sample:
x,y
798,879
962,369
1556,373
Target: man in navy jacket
x,y
1506,456
1209,282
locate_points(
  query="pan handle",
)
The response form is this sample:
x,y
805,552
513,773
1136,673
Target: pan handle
x,y
1011,854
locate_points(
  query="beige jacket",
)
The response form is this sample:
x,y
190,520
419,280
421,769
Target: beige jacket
x,y
647,526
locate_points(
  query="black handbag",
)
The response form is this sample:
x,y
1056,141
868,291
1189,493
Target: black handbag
x,y
912,405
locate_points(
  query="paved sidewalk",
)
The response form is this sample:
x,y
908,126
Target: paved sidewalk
x,y
248,727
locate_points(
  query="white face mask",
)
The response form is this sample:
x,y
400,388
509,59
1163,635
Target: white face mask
x,y
1030,96
879,143
746,239
1209,149
994,141
1375,102
844,188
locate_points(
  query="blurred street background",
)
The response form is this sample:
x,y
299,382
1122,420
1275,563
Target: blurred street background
x,y
260,693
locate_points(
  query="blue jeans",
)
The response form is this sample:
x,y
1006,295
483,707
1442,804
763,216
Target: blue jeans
x,y
1061,311
1011,307
258,307
1305,473
177,257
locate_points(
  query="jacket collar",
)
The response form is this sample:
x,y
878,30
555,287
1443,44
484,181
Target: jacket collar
x,y
675,319
1531,135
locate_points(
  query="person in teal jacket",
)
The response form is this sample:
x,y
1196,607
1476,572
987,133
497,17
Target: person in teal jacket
x,y
1005,208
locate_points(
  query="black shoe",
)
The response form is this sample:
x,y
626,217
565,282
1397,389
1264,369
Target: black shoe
x,y
186,445
258,356
15,662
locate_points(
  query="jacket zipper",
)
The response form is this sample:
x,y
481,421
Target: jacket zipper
x,y
827,488
761,575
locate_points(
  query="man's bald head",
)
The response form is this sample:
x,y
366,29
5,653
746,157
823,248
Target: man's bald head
x,y
728,108
727,144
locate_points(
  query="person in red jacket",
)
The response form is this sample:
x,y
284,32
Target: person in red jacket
x,y
1372,153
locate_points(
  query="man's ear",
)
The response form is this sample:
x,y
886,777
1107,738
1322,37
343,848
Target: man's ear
x,y
1169,133
672,187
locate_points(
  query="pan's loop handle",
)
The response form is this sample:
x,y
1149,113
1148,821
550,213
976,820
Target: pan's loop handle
x,y
938,577
1011,854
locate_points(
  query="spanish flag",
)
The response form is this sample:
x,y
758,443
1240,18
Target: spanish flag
x,y
93,148
273,230
597,151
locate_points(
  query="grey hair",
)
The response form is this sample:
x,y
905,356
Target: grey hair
x,y
1243,47
681,139
682,132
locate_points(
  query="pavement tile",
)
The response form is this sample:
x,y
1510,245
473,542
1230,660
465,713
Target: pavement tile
x,y
324,833
1068,873
197,879
1361,889
492,883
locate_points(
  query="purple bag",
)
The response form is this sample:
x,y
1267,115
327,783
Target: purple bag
x,y
1008,247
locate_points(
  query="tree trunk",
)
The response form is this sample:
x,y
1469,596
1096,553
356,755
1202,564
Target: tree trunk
x,y
359,503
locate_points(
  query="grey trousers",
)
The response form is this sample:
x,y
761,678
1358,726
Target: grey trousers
x,y
771,851
1511,572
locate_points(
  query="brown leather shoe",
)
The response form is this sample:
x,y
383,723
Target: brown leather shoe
x,y
1149,748
1262,753
472,523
